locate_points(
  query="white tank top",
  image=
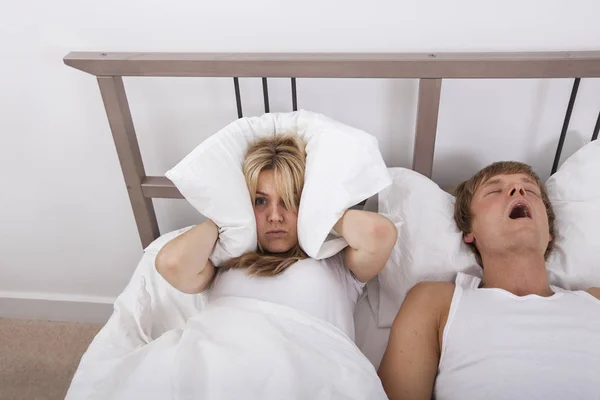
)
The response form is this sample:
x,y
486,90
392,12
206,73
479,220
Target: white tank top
x,y
500,346
325,289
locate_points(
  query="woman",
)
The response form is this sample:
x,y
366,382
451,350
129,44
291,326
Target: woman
x,y
280,272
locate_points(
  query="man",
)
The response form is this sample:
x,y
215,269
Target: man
x,y
510,335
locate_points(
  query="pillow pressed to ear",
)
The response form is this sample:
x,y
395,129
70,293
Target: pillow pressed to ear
x,y
430,246
343,167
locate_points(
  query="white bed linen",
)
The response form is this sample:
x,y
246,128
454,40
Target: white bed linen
x,y
370,338
156,330
235,348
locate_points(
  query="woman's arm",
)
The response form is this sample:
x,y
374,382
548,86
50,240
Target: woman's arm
x,y
370,237
184,261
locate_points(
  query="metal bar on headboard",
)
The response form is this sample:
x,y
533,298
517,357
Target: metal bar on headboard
x,y
341,65
596,128
565,127
238,97
427,118
160,187
266,94
294,97
128,151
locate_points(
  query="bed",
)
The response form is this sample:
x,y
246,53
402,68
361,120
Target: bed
x,y
430,69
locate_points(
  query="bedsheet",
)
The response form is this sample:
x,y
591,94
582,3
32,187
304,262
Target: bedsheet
x,y
369,337
234,348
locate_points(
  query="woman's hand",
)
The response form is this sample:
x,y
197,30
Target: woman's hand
x,y
184,261
370,237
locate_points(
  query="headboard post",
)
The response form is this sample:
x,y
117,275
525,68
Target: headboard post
x,y
427,119
128,151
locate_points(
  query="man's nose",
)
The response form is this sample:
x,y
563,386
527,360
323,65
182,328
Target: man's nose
x,y
517,188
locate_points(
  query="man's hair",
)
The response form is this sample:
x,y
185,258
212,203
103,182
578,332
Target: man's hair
x,y
465,191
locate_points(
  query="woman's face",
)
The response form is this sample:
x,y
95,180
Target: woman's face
x,y
276,226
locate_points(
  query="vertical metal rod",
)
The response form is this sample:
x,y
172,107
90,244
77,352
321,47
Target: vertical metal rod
x,y
294,97
565,126
266,94
238,97
596,128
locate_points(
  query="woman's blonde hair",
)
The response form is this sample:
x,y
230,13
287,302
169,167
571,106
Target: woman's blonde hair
x,y
285,155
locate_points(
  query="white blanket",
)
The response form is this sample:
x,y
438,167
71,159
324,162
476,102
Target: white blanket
x,y
236,348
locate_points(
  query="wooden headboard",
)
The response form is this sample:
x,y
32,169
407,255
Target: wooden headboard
x,y
430,69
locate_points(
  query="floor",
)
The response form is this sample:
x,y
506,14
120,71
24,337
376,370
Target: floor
x,y
38,358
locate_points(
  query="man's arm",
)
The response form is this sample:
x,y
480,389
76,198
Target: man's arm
x,y
371,238
595,291
410,362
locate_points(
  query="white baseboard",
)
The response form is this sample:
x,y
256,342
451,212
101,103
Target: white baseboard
x,y
55,307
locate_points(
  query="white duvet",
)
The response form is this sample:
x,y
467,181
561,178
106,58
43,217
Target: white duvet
x,y
235,348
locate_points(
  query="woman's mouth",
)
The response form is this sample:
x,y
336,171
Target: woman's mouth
x,y
276,233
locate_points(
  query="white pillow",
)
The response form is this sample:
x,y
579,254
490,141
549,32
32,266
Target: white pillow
x,y
430,246
574,191
343,167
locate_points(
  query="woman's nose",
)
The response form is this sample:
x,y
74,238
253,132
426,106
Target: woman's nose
x,y
275,213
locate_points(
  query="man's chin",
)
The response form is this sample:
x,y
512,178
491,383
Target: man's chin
x,y
524,239
523,228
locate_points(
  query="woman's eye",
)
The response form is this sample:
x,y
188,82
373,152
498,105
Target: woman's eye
x,y
260,201
493,192
533,192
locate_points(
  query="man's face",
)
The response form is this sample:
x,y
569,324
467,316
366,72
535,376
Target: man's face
x,y
509,216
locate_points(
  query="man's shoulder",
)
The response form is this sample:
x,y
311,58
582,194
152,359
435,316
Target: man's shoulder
x,y
433,286
431,293
428,302
595,291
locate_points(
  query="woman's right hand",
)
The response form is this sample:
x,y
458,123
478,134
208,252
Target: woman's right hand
x,y
184,261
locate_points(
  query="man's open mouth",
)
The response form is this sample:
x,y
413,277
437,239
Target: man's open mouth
x,y
520,210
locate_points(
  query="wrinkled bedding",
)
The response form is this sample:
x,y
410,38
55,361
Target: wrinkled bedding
x,y
235,348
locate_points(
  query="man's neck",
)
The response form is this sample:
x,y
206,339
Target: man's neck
x,y
520,274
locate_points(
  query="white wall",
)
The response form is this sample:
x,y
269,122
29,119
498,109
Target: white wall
x,y
66,227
